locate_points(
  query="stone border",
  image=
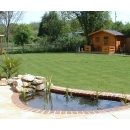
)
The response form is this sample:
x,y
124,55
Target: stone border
x,y
104,95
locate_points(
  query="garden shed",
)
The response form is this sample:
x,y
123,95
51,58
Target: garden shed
x,y
106,41
1,46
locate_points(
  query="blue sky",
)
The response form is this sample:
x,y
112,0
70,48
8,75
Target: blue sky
x,y
123,16
32,16
35,16
36,8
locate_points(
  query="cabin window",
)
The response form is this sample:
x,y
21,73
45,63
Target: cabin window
x,y
97,39
105,40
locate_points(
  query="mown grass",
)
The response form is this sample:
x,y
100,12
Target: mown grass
x,y
82,71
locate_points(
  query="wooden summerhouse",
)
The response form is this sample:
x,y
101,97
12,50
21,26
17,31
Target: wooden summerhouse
x,y
106,41
1,46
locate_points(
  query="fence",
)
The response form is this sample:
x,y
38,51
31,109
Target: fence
x,y
108,49
25,48
87,48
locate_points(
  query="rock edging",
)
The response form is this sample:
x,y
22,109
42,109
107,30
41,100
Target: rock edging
x,y
26,83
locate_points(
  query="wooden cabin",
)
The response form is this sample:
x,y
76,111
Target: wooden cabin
x,y
106,41
1,46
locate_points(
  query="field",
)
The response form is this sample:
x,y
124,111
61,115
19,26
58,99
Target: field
x,y
109,73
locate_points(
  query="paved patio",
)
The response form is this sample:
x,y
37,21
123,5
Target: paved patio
x,y
8,110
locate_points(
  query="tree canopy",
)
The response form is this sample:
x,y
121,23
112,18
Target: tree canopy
x,y
22,34
50,25
8,19
91,21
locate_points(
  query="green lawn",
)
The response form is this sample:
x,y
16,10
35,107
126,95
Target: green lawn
x,y
82,71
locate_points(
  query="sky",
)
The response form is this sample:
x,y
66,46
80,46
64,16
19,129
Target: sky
x,y
35,9
123,16
35,16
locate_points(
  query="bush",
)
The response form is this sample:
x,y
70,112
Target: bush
x,y
9,65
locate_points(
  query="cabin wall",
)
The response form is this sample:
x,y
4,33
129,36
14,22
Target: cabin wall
x,y
116,41
127,45
98,44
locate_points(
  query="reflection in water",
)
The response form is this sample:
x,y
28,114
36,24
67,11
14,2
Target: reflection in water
x,y
54,101
47,99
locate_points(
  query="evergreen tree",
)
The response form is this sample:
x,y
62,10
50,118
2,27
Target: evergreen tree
x,y
50,25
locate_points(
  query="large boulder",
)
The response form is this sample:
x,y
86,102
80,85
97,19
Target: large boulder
x,y
32,86
29,90
40,87
18,89
26,84
37,81
19,81
28,77
10,81
17,85
3,82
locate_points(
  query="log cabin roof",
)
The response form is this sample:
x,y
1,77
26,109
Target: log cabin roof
x,y
113,32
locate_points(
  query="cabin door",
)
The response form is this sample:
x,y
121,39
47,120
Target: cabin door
x,y
105,40
117,45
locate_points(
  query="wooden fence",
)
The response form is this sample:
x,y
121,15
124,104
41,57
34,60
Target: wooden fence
x,y
87,48
20,49
108,49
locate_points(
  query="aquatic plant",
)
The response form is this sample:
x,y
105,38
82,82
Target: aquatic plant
x,y
97,93
68,94
47,95
124,96
48,84
23,95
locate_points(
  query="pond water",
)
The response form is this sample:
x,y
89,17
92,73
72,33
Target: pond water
x,y
55,101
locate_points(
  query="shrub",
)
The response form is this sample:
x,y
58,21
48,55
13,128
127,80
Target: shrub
x,y
9,65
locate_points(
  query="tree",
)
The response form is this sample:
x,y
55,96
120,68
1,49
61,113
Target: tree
x,y
91,21
64,41
1,29
70,22
7,18
76,41
35,27
119,26
22,35
127,29
50,25
75,25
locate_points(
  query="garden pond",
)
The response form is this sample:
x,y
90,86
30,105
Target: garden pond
x,y
57,101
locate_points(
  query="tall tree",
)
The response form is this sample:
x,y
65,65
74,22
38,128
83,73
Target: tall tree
x,y
119,26
35,27
7,18
50,25
126,30
70,23
92,20
22,35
